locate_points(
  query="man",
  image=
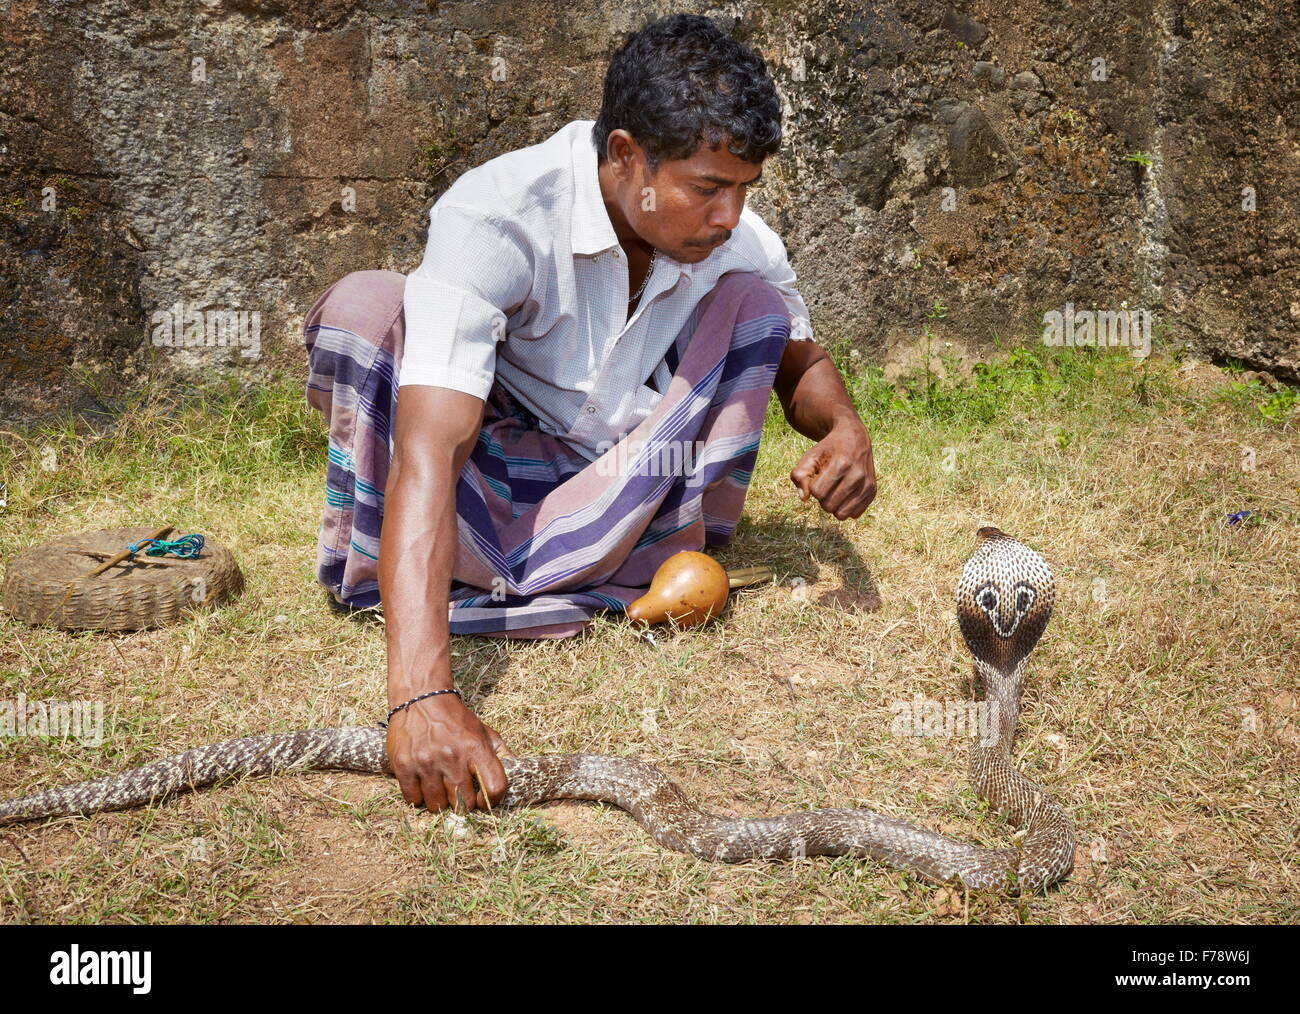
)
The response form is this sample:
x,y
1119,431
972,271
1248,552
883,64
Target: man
x,y
587,309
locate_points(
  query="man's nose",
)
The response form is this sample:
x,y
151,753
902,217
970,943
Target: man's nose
x,y
725,214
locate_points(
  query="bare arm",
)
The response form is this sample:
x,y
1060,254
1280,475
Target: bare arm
x,y
839,470
436,747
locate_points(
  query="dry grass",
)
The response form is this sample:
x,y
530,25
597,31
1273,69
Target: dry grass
x,y
1172,629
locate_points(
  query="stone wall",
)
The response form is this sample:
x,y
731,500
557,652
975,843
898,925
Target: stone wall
x,y
242,154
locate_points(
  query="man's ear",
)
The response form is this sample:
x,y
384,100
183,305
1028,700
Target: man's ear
x,y
622,152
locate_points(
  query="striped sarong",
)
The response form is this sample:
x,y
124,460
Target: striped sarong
x,y
546,537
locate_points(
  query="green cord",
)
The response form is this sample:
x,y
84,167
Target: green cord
x,y
186,547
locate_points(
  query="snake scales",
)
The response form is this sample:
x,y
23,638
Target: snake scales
x,y
1004,600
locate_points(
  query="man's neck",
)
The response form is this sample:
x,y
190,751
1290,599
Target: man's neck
x,y
627,236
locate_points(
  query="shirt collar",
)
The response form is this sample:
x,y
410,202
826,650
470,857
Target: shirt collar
x,y
591,231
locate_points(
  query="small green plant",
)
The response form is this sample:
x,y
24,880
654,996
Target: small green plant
x,y
1140,158
437,156
1274,404
1152,387
1240,394
1279,405
1062,438
1072,133
539,838
90,380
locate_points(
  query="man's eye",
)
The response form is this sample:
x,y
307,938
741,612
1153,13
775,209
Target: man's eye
x,y
707,193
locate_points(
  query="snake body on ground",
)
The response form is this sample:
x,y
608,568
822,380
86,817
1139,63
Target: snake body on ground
x,y
1004,600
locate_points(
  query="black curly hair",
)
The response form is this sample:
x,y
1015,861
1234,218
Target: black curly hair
x,y
682,80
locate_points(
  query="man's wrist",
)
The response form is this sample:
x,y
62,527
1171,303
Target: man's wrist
x,y
847,420
400,690
428,697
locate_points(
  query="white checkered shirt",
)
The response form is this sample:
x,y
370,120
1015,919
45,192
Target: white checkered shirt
x,y
523,279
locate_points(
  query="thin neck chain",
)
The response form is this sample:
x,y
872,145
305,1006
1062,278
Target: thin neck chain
x,y
649,271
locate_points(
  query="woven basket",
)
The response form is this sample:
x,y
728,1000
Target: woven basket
x,y
43,585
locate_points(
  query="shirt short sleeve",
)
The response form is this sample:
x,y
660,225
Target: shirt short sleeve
x,y
476,271
781,275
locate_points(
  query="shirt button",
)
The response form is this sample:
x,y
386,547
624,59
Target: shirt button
x,y
618,253
591,408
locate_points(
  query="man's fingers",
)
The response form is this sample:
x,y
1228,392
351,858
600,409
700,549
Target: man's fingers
x,y
466,792
803,474
481,798
456,799
828,484
861,500
410,786
435,793
821,479
844,500
821,475
835,504
491,779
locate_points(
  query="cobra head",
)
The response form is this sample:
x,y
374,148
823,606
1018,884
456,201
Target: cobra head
x,y
1004,600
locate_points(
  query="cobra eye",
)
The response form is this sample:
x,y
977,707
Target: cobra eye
x,y
1024,599
987,599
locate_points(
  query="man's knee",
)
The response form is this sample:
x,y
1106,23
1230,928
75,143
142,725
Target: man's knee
x,y
750,293
363,302
748,285
363,285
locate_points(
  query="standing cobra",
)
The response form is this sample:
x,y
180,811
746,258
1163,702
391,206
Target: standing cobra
x,y
1004,600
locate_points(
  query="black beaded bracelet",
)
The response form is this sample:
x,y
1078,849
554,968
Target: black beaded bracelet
x,y
400,707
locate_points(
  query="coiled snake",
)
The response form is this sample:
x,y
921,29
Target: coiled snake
x,y
1004,600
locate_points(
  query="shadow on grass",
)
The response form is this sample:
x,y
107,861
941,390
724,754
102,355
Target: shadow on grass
x,y
795,550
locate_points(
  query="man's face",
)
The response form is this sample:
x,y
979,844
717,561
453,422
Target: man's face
x,y
690,206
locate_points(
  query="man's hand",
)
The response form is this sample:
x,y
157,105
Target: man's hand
x,y
839,471
437,748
